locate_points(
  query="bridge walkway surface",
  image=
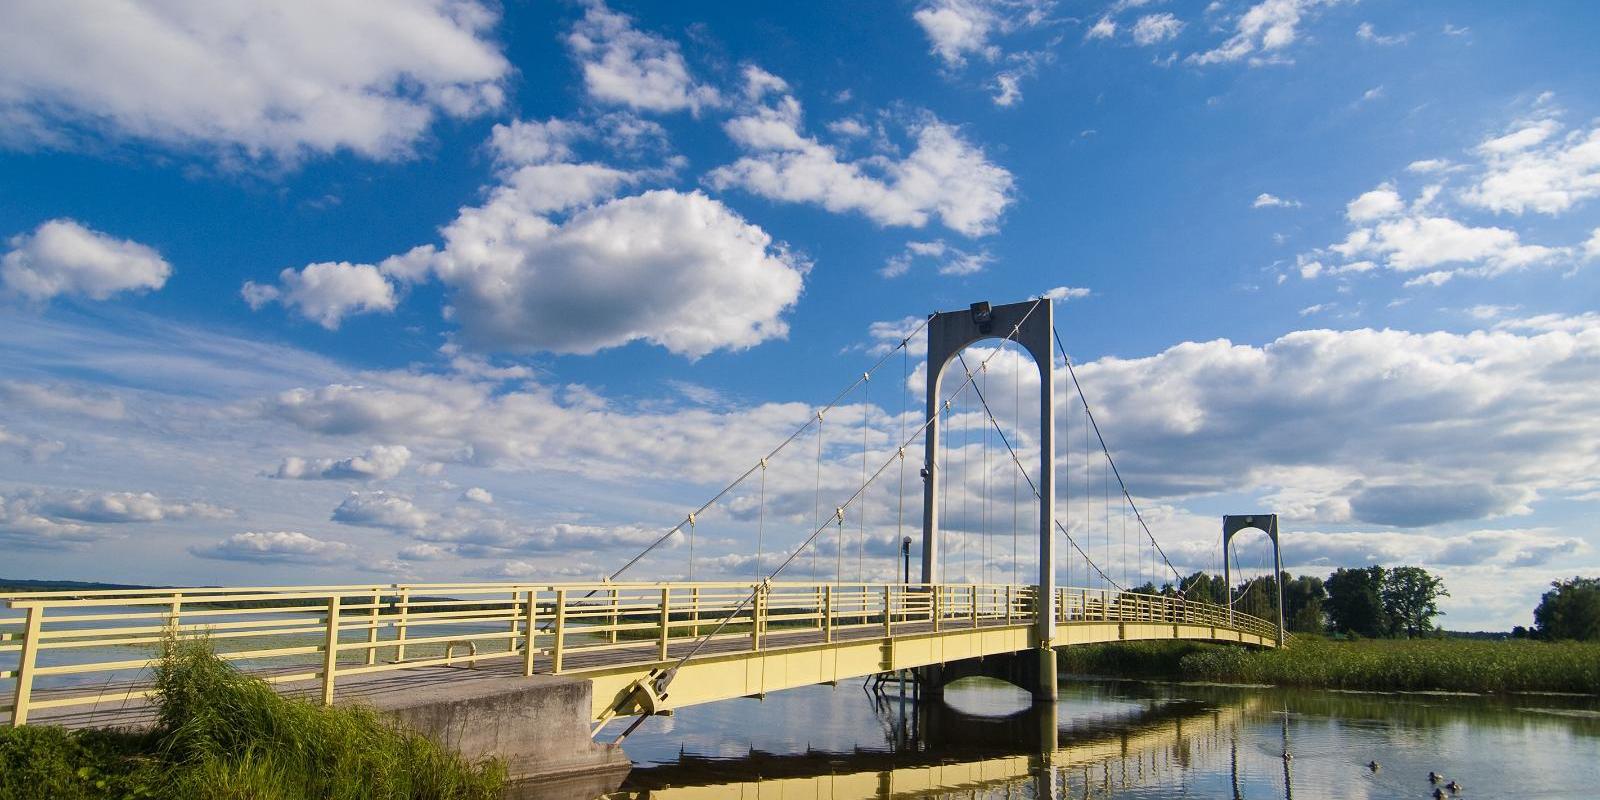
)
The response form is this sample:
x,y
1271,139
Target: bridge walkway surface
x,y
83,659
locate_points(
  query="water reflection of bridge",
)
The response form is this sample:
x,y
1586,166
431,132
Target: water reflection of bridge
x,y
954,752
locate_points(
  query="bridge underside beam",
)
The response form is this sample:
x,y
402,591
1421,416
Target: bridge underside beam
x,y
708,679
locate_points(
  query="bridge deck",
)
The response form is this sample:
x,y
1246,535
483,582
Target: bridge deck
x,y
364,641
137,711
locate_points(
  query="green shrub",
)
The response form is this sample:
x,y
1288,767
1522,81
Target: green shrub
x,y
222,735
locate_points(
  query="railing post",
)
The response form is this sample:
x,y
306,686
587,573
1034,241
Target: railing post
x,y
25,665
694,612
974,609
888,611
616,617
827,613
938,606
400,627
531,616
666,623
372,627
561,631
174,613
516,624
1008,604
756,608
330,661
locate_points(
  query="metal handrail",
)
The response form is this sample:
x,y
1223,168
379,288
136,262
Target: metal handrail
x,y
62,639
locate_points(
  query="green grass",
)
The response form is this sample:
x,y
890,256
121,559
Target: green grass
x,y
1455,665
225,736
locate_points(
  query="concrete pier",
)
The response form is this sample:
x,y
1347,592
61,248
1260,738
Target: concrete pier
x,y
539,725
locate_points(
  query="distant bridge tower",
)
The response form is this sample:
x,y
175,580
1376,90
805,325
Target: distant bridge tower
x,y
1268,524
1029,324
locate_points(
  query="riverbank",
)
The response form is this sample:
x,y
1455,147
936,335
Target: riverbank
x,y
1450,665
221,734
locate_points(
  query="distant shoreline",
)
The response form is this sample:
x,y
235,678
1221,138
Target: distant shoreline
x,y
1470,665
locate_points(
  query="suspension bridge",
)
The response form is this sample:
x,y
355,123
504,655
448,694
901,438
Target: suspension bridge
x,y
649,647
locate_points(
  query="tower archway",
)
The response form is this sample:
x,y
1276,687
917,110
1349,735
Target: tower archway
x,y
1030,325
1267,524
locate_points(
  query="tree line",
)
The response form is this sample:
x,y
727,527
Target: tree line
x,y
1385,602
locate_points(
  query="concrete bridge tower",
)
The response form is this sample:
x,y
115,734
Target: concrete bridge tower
x,y
1030,324
1268,524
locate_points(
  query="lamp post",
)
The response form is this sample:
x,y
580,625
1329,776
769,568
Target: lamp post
x,y
905,553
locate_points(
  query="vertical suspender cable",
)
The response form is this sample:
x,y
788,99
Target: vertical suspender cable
x,y
986,548
861,537
905,409
966,482
1088,477
761,518
816,508
1016,430
942,473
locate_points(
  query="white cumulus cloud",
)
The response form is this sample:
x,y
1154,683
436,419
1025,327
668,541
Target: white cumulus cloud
x,y
947,260
1266,200
257,78
381,510
1261,33
625,270
274,546
944,175
327,292
626,66
378,463
957,29
1156,28
1538,167
63,258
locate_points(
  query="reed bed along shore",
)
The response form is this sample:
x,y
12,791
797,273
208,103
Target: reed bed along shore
x,y
221,735
1451,665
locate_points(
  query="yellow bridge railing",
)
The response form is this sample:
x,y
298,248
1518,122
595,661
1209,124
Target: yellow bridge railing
x,y
95,648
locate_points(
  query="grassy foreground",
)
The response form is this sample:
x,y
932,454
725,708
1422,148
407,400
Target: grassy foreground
x,y
225,736
1455,665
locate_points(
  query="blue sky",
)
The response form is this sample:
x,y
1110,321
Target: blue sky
x,y
278,290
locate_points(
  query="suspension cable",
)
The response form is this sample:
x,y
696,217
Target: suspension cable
x,y
667,676
1015,459
768,457
1107,450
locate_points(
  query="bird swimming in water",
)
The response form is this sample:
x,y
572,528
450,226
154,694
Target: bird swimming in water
x,y
1438,794
1434,777
1454,787
1374,766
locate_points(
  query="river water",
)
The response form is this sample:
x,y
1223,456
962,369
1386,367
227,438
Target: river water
x,y
1122,739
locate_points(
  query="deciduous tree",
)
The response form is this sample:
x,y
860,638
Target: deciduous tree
x,y
1411,600
1355,601
1570,610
